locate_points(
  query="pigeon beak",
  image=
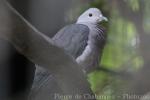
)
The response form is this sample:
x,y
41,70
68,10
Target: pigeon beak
x,y
103,18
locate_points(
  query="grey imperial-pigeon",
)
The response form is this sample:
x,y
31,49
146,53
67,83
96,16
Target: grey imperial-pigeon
x,y
85,39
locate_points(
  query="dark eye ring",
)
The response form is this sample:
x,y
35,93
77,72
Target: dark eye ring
x,y
90,15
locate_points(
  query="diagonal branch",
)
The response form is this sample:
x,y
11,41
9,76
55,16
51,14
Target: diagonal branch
x,y
40,50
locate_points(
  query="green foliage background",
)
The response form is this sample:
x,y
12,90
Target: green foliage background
x,y
121,53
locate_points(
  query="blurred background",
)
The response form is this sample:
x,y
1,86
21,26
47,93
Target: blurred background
x,y
126,57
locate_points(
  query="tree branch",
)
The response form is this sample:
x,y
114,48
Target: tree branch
x,y
121,74
40,50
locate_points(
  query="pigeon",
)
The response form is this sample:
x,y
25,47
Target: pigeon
x,y
84,40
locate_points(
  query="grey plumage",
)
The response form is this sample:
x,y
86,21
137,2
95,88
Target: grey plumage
x,y
84,41
91,56
73,38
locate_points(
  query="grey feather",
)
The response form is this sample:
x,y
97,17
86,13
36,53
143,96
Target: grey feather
x,y
73,38
92,54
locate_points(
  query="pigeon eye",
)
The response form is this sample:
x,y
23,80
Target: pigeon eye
x,y
90,14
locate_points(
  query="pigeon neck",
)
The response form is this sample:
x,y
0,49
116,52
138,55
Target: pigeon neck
x,y
89,24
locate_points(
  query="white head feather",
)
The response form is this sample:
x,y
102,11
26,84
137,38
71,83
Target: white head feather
x,y
91,16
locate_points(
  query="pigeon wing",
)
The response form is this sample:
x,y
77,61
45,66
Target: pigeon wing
x,y
73,38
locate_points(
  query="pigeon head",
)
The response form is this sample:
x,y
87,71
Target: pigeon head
x,y
92,15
